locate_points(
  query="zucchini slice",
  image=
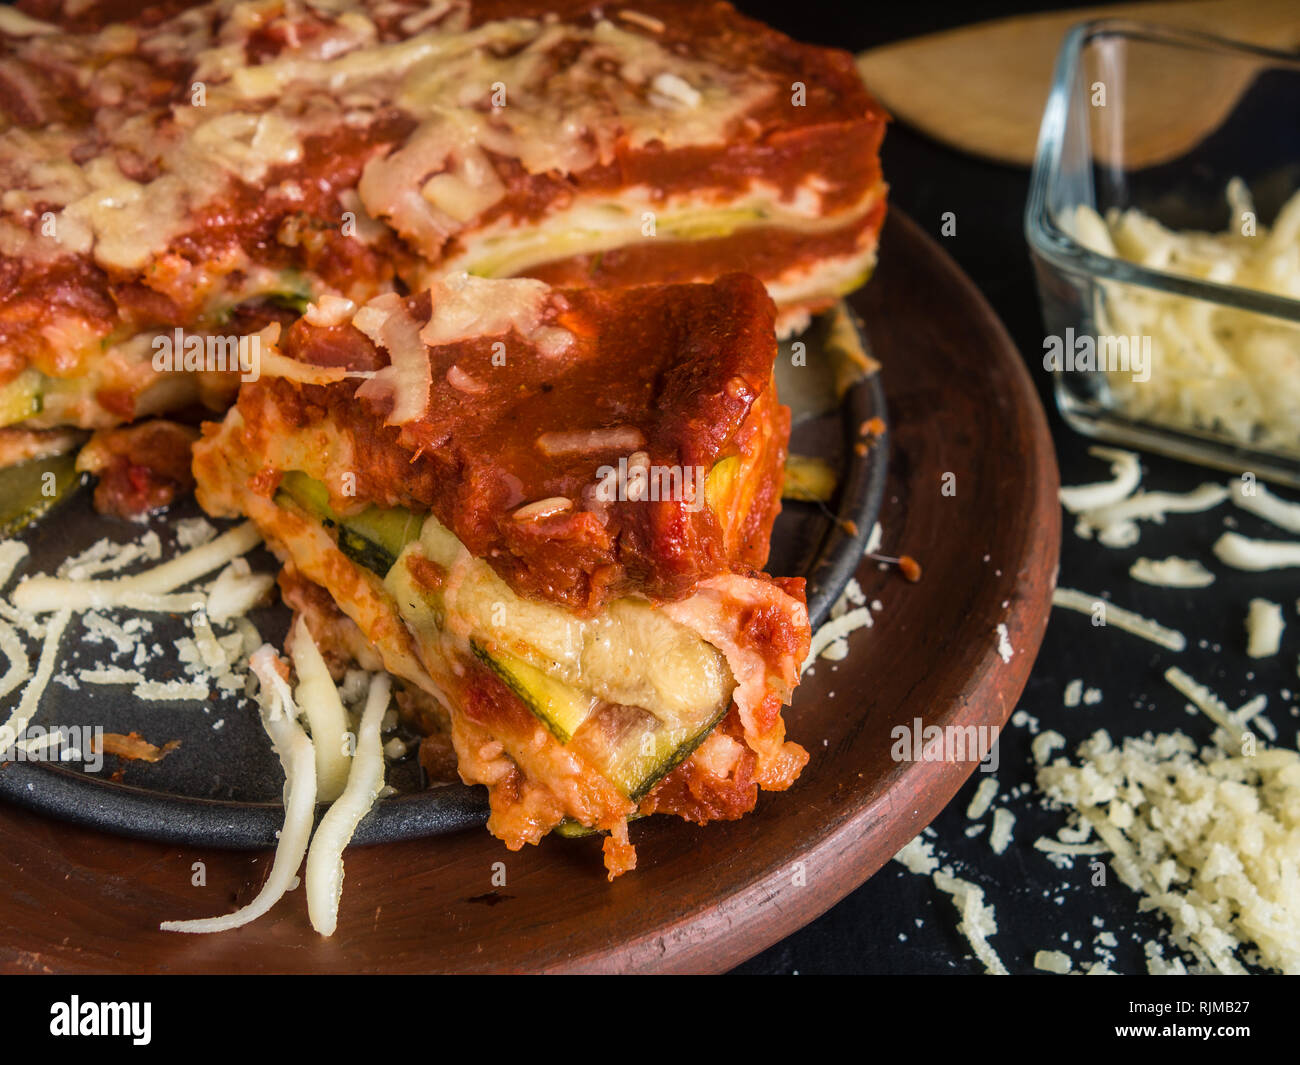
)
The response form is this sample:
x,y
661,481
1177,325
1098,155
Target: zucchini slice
x,y
635,749
808,479
373,538
32,489
560,707
22,397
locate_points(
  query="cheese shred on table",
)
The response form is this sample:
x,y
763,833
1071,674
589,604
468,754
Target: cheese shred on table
x,y
1072,599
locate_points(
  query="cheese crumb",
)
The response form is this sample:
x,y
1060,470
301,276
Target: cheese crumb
x,y
1172,572
1005,650
1110,614
1211,839
1264,627
1053,961
1003,823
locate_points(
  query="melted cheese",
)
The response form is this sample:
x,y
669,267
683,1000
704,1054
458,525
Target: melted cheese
x,y
500,86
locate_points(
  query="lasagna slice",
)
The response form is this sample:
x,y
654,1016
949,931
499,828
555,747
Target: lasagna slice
x,y
213,167
547,509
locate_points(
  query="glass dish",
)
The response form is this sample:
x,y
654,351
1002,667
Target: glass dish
x,y
1162,120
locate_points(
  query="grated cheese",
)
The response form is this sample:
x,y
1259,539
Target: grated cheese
x,y
1258,555
874,539
30,700
977,919
1003,823
1127,472
365,780
194,532
1115,525
1053,961
918,856
12,552
1072,599
1205,701
105,556
237,590
1056,846
836,629
1042,745
15,652
1005,650
294,748
157,691
983,798
1249,712
1255,498
1171,572
141,591
326,718
110,675
1208,367
1211,839
1264,627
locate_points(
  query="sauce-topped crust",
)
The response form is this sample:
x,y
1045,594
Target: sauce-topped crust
x,y
165,164
577,463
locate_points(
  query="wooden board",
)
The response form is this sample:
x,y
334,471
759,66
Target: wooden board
x,y
703,898
982,88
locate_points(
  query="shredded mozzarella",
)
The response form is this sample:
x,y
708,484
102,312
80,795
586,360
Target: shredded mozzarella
x,y
30,700
1255,498
364,783
297,756
326,718
1258,555
1127,473
1072,599
1264,627
1115,525
142,591
1172,572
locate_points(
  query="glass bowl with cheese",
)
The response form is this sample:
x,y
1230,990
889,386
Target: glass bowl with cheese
x,y
1164,225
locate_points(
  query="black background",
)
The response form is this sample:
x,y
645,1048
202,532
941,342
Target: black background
x,y
898,922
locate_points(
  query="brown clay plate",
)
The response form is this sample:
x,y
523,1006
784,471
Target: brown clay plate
x,y
702,899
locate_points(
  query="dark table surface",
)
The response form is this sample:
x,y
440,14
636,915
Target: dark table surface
x,y
899,922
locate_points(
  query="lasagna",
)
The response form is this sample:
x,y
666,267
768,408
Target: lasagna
x,y
546,511
203,171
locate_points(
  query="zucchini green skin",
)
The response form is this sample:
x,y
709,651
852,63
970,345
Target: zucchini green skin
x,y
559,707
571,829
32,489
635,774
373,539
23,397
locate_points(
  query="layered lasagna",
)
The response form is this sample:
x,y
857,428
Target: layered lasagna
x,y
212,168
545,510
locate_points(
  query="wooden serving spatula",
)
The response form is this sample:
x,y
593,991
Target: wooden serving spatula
x,y
981,88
